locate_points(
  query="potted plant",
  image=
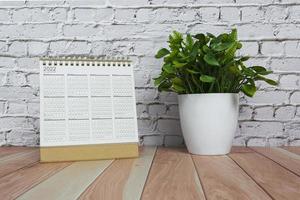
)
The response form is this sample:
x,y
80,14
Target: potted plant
x,y
207,75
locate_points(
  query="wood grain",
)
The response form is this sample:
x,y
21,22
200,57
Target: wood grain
x,y
276,180
124,179
69,183
295,150
223,179
16,183
5,151
172,176
17,161
285,158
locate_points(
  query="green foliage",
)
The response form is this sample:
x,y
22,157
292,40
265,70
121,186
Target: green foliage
x,y
207,64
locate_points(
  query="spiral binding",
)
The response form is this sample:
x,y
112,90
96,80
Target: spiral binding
x,y
86,61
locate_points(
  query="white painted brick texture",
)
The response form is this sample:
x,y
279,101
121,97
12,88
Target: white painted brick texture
x,y
269,30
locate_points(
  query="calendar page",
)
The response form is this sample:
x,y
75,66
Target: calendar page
x,y
87,101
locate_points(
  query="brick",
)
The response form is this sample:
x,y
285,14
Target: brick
x,y
295,98
294,143
37,30
33,80
277,142
58,14
285,112
269,97
16,79
28,63
33,108
17,93
152,140
146,127
252,14
169,127
261,129
292,48
2,108
31,15
82,30
272,48
67,48
256,31
173,141
17,107
257,142
7,123
4,15
168,97
245,113
292,129
156,110
21,137
125,15
17,49
289,81
129,3
172,111
93,15
276,13
263,113
294,13
287,31
142,111
37,48
144,15
249,49
230,14
146,95
209,14
7,62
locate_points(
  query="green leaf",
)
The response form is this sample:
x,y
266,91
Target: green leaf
x,y
159,80
207,79
244,58
269,81
169,68
258,68
178,85
211,60
249,90
201,38
233,35
178,64
192,71
222,46
189,41
162,52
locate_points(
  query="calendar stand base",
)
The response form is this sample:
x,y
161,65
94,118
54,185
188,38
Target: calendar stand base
x,y
88,152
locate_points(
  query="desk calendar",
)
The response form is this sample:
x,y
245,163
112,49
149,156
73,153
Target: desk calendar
x,y
87,109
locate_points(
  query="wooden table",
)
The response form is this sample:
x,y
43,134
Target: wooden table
x,y
159,173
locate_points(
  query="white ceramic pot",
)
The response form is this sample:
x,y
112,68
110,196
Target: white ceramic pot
x,y
208,122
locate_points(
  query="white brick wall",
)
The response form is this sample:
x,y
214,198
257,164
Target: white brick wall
x,y
269,30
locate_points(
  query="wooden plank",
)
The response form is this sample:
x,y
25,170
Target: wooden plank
x,y
172,176
69,183
5,151
138,175
295,150
285,158
17,161
16,183
124,179
223,179
276,180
